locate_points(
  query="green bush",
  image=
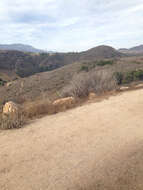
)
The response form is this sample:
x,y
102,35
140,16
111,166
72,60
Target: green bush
x,y
128,77
103,63
84,68
138,75
2,82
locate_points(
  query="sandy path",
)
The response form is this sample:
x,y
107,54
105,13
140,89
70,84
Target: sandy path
x,y
97,146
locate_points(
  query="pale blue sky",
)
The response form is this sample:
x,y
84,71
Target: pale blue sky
x,y
71,25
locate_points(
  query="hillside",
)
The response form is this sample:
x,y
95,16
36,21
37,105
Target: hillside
x,y
97,146
26,64
100,52
41,85
20,47
49,84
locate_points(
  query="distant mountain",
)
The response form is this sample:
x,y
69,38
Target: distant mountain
x,y
123,49
133,50
137,49
20,47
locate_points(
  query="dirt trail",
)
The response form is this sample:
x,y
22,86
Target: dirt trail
x,y
98,146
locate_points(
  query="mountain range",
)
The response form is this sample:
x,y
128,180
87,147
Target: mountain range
x,y
31,49
20,47
133,50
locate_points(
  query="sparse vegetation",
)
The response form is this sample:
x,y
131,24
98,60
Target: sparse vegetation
x,y
87,66
84,68
105,62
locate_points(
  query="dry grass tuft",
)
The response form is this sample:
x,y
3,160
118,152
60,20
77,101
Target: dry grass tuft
x,y
43,107
12,121
38,108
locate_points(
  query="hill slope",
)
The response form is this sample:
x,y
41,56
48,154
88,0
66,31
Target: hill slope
x,y
66,151
50,83
26,64
46,84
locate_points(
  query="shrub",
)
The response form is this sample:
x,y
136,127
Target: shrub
x,y
138,75
105,62
84,68
119,77
128,77
87,66
2,82
12,121
93,81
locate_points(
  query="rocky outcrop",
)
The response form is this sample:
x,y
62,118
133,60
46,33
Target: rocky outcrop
x,y
10,107
92,95
64,102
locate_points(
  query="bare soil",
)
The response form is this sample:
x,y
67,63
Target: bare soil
x,y
98,146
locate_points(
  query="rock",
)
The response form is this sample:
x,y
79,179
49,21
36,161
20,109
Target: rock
x,y
139,86
92,95
8,84
124,88
67,102
10,107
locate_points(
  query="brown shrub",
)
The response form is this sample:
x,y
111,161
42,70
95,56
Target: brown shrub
x,y
94,81
12,121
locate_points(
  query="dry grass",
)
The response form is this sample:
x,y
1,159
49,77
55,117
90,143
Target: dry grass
x,y
38,108
12,121
44,107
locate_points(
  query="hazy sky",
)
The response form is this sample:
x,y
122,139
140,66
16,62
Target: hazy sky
x,y
71,25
